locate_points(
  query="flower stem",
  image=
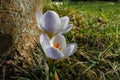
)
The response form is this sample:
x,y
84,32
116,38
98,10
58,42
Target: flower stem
x,y
52,70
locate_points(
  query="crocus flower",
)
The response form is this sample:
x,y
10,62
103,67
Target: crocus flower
x,y
56,48
52,24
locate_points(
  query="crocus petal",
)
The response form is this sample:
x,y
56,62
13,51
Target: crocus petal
x,y
60,39
44,41
38,18
64,22
51,21
53,53
69,27
69,50
44,36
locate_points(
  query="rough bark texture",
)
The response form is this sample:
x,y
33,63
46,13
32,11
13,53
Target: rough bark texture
x,y
18,28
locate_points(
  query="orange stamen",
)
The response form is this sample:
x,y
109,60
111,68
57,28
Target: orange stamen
x,y
56,45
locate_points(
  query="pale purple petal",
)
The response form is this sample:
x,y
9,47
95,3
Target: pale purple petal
x,y
44,36
60,39
70,50
53,53
64,22
44,41
69,27
38,18
51,21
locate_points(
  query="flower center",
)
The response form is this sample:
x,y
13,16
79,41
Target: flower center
x,y
57,45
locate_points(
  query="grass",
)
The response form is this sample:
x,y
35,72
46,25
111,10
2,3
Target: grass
x,y
97,33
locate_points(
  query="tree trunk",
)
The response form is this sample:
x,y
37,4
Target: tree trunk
x,y
18,29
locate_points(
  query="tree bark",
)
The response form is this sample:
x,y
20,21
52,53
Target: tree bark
x,y
18,29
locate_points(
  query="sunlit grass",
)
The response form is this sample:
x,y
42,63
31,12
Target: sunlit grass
x,y
97,33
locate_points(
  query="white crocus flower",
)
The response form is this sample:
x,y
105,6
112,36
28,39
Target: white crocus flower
x,y
52,24
56,48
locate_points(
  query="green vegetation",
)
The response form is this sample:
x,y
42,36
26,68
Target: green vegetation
x,y
97,33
